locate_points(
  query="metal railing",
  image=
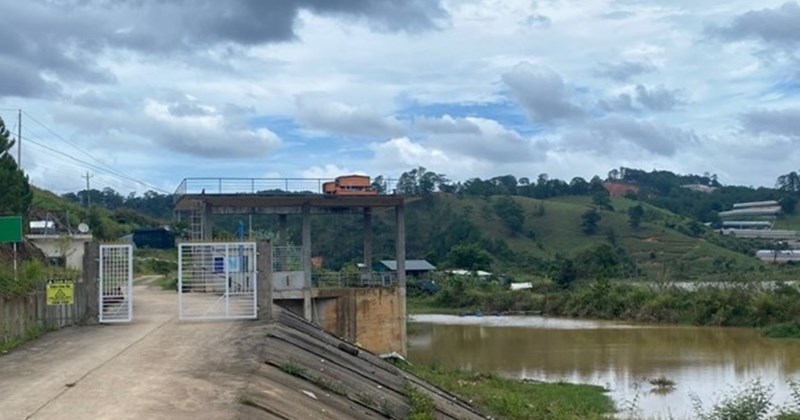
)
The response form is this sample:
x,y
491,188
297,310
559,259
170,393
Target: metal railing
x,y
287,258
340,280
261,186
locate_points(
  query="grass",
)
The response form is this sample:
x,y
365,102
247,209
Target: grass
x,y
31,334
169,282
422,407
427,305
787,330
293,369
513,399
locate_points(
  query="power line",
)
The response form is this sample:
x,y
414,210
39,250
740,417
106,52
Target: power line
x,y
73,145
93,166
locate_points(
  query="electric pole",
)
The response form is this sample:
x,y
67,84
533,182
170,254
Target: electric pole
x,y
88,195
19,140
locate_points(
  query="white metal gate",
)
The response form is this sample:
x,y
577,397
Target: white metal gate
x,y
116,283
217,280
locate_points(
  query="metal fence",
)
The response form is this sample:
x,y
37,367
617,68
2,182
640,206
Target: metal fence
x,y
287,258
217,281
263,186
337,280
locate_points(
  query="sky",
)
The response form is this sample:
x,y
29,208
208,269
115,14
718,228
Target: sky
x,y
143,93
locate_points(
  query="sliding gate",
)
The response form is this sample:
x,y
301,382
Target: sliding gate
x,y
217,280
116,283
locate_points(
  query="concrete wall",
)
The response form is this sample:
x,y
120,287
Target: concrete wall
x,y
287,280
57,246
25,313
371,317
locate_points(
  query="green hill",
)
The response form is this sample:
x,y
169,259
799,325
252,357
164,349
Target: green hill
x,y
663,241
103,223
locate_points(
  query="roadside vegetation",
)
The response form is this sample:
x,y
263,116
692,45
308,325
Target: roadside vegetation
x,y
514,399
159,262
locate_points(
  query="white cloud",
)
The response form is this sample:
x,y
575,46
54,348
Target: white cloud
x,y
339,118
446,89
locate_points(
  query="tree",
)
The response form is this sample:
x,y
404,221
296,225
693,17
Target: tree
x,y
789,205
589,221
469,256
789,182
511,213
15,191
420,181
379,184
635,215
602,200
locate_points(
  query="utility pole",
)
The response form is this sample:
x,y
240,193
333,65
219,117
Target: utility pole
x,y
88,196
19,140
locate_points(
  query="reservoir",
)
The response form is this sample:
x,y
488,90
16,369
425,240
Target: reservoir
x,y
707,362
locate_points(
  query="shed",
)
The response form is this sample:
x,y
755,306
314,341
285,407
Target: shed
x,y
158,238
414,268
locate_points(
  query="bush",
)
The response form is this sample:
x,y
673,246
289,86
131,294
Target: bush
x,y
29,275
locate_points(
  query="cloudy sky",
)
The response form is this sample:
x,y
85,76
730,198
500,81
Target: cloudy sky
x,y
157,91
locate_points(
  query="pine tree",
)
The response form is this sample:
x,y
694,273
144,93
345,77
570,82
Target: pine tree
x,y
15,191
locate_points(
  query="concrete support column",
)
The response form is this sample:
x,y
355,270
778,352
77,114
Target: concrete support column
x,y
283,230
264,278
283,240
400,245
368,242
306,261
91,261
207,222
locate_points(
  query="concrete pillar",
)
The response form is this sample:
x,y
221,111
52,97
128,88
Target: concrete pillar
x,y
207,222
264,276
308,314
400,250
306,261
368,242
91,261
283,240
400,245
283,230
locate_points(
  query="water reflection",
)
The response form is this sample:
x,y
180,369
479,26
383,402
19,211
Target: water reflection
x,y
702,361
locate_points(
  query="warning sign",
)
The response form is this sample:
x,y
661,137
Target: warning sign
x,y
60,293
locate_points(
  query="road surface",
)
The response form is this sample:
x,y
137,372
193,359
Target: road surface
x,y
156,367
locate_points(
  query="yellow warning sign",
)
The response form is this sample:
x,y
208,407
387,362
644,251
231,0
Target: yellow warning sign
x,y
60,293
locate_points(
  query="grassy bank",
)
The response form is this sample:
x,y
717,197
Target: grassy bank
x,y
787,330
737,304
514,399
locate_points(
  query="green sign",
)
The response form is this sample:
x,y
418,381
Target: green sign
x,y
10,229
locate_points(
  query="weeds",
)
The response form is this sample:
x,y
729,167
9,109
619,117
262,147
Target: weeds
x,y
751,402
334,387
662,382
509,398
31,334
422,406
293,369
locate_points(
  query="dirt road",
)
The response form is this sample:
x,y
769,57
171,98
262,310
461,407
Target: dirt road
x,y
156,367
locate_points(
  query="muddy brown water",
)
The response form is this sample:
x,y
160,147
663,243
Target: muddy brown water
x,y
706,362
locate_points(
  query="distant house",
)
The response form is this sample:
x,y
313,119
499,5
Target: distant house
x,y
414,268
619,189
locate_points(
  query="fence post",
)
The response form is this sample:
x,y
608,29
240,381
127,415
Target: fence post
x,y
91,259
264,279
